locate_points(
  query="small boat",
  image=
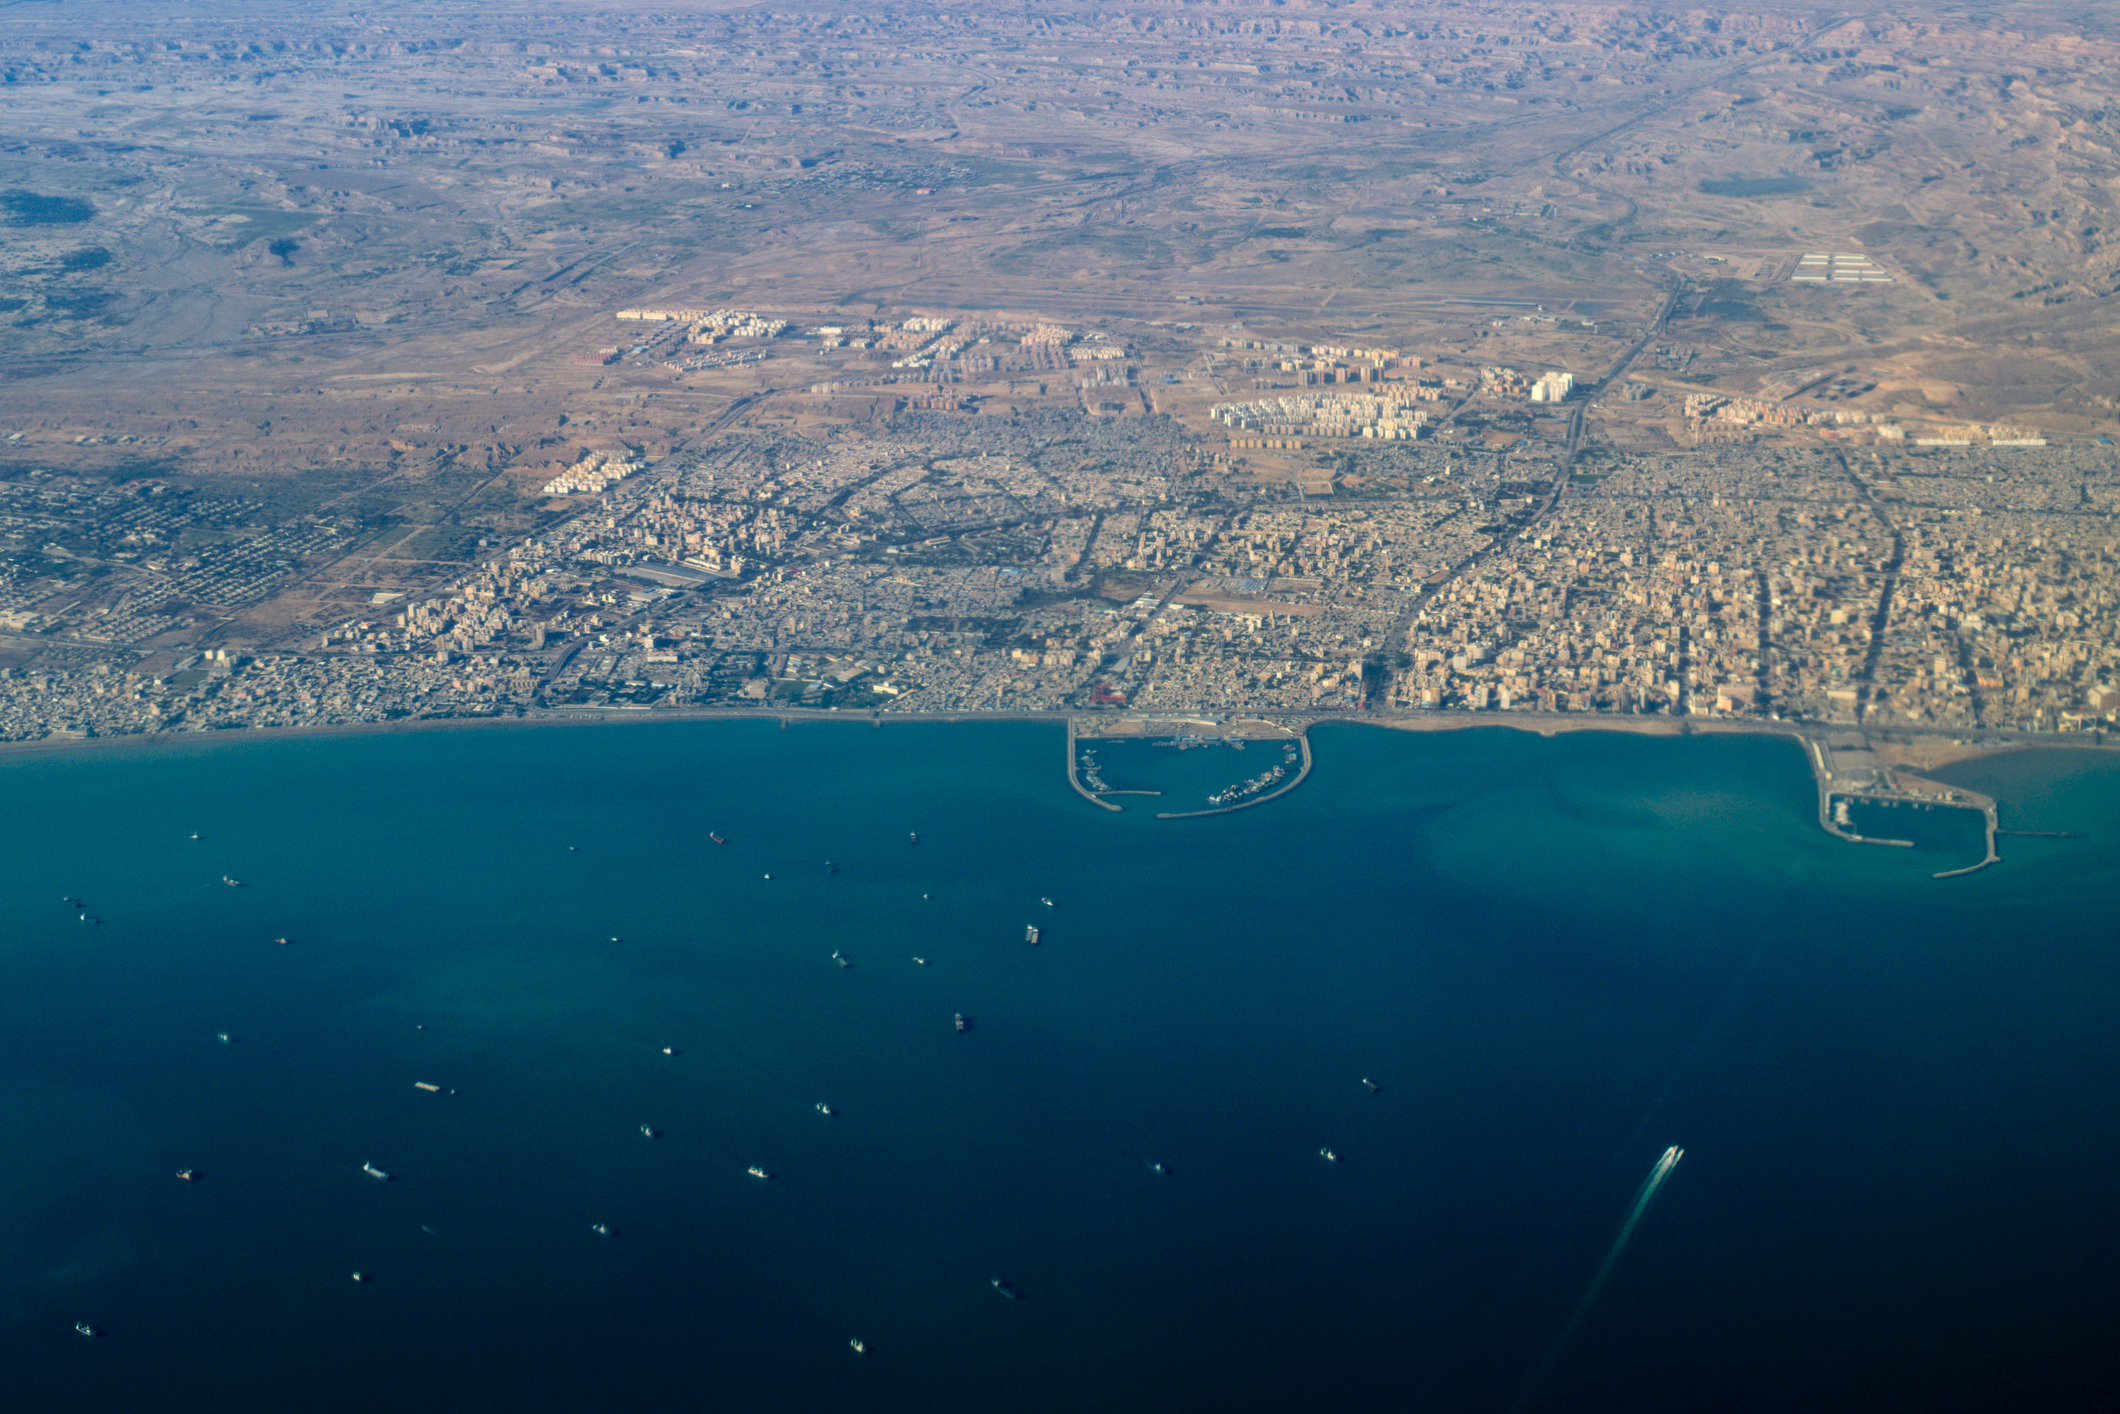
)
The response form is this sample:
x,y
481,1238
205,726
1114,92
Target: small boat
x,y
232,883
86,1329
716,838
357,1276
964,1023
616,939
650,1131
223,1037
375,1173
1155,1167
188,1175
830,867
1371,1086
1328,1156
756,1172
769,876
1030,935
669,1050
1005,1289
859,1347
600,1229
1046,901
914,835
281,941
842,961
921,960
195,834
429,1086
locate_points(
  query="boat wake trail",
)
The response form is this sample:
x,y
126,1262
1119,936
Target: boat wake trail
x,y
1657,1174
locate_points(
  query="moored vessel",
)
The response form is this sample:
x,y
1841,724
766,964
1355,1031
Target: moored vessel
x,y
375,1173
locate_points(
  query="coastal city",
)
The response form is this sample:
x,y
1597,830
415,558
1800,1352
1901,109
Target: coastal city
x,y
1435,544
1000,456
1613,373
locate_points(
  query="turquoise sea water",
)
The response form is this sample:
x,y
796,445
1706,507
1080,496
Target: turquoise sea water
x,y
1556,957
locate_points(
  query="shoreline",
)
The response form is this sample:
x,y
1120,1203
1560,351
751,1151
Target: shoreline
x,y
1945,748
1896,772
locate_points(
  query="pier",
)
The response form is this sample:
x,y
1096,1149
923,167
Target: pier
x,y
1302,745
1075,780
1904,787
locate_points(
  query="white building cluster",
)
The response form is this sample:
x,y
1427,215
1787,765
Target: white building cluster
x,y
591,474
1389,416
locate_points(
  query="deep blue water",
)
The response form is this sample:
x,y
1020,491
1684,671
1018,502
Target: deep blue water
x,y
1557,957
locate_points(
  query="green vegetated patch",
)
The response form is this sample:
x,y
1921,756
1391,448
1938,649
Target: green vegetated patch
x,y
437,542
1736,310
1754,186
993,172
1119,244
243,224
29,208
79,304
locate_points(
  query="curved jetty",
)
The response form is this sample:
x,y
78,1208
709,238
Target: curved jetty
x,y
1075,780
1302,745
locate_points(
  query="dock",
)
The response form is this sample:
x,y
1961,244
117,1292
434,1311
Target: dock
x,y
1075,780
1302,745
1901,786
